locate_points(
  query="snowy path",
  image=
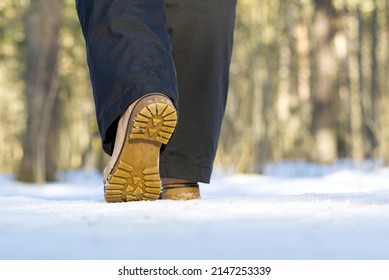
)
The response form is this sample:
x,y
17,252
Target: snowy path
x,y
342,215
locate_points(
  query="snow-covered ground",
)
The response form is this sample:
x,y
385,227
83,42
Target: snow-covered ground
x,y
295,211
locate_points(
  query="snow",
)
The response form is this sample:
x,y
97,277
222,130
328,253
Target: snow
x,y
296,211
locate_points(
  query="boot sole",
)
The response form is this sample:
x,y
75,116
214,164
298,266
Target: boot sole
x,y
135,175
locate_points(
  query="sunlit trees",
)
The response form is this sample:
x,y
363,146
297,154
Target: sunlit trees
x,y
309,79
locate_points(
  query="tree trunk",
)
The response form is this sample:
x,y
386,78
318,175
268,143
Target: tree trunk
x,y
371,122
325,143
42,24
343,106
304,91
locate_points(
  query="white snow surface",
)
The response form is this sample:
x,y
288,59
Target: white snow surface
x,y
296,211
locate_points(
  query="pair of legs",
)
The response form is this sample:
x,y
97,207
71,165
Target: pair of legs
x,y
178,48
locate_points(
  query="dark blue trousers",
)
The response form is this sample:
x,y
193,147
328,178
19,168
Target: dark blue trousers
x,y
181,48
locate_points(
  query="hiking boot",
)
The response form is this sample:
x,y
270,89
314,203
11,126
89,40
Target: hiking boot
x,y
132,174
180,191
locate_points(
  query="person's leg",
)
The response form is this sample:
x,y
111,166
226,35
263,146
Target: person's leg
x,y
202,35
129,55
134,80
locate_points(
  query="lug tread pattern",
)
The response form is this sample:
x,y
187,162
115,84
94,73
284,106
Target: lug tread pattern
x,y
154,122
124,185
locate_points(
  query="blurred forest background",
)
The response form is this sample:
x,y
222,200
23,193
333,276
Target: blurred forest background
x,y
309,80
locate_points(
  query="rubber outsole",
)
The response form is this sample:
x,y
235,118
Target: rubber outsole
x,y
135,175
